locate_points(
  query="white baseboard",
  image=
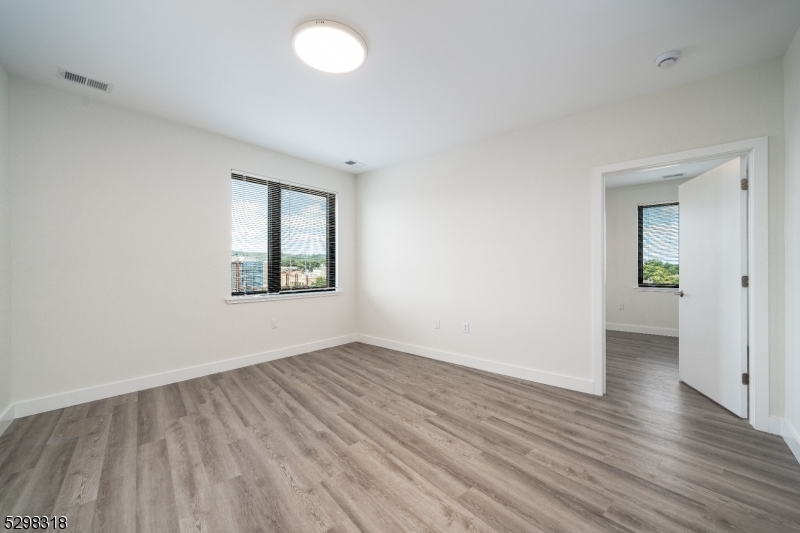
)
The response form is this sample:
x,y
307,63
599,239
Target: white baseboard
x,y
649,330
67,399
792,438
6,417
530,374
776,425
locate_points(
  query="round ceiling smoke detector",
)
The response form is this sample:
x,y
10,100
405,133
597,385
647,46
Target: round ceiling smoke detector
x,y
667,59
329,46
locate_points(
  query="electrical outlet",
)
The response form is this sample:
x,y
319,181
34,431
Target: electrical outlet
x,y
465,327
621,307
436,324
274,323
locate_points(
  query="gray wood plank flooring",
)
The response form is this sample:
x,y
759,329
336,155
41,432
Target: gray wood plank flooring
x,y
360,438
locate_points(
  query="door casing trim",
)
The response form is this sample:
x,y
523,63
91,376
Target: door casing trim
x,y
757,151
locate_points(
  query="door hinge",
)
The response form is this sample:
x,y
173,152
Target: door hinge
x,y
745,184
745,281
745,379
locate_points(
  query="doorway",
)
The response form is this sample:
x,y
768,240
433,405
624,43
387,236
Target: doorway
x,y
754,315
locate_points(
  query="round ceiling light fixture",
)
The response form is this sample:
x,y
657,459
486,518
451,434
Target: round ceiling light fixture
x,y
667,59
329,46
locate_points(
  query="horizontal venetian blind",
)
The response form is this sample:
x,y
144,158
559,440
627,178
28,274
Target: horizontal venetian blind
x,y
249,235
304,240
659,246
283,237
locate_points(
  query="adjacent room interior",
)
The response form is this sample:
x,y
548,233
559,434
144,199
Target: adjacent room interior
x,y
394,267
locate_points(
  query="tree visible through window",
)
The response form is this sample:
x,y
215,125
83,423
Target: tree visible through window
x,y
659,253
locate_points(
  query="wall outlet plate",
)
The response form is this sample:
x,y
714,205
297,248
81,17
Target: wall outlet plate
x,y
465,327
437,324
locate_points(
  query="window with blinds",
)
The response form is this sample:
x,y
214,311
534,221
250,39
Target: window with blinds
x,y
659,251
283,237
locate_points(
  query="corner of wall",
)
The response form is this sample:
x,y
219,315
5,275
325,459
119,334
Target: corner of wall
x,y
791,80
6,405
792,438
6,417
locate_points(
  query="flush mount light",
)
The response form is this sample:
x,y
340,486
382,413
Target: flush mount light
x,y
329,46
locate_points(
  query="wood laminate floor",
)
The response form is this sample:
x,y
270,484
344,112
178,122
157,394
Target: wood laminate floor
x,y
359,438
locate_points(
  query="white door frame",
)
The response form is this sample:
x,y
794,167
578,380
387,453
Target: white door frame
x,y
757,151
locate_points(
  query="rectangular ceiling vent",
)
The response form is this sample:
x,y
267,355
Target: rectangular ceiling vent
x,y
83,80
672,176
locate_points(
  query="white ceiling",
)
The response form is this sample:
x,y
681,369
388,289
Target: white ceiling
x,y
680,171
439,73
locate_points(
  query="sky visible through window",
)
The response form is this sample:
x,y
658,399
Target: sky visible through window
x,y
250,219
660,233
303,220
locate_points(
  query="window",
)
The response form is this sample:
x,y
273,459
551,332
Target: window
x,y
658,245
283,237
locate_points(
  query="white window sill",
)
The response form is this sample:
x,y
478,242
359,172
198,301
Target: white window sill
x,y
656,289
276,297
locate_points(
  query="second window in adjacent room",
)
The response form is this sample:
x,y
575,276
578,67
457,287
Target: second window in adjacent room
x,y
659,254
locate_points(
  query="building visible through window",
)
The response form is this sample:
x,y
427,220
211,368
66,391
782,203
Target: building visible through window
x,y
659,252
283,237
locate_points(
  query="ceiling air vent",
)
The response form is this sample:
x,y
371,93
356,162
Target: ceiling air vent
x,y
83,80
672,176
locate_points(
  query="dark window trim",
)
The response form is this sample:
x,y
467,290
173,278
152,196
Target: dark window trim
x,y
641,247
274,188
298,291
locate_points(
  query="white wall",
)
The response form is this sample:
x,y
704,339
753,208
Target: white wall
x,y
646,311
498,232
792,111
121,236
5,256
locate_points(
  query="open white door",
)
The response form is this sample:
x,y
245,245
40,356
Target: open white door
x,y
713,308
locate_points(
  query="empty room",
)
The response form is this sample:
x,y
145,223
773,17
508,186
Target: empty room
x,y
340,267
